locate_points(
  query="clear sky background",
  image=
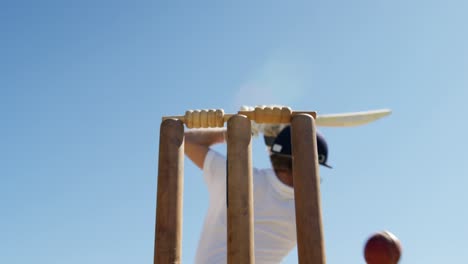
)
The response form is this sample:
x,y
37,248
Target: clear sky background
x,y
84,84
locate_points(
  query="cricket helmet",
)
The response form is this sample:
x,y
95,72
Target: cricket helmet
x,y
281,145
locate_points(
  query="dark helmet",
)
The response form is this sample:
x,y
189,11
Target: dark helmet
x,y
282,145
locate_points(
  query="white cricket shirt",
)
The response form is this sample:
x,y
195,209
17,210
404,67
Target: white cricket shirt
x,y
274,215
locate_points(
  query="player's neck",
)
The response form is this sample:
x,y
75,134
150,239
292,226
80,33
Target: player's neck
x,y
285,177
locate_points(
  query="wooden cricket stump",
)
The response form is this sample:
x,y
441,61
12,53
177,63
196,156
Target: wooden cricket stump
x,y
240,229
240,225
309,227
168,239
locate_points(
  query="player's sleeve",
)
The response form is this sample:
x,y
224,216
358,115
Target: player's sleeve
x,y
214,171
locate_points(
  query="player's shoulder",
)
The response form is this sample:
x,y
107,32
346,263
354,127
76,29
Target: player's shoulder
x,y
214,157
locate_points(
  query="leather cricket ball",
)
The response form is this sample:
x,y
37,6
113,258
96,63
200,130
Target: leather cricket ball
x,y
382,248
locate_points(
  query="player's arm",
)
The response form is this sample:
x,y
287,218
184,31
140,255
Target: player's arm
x,y
198,142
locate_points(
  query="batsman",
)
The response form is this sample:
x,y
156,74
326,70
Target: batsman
x,y
273,195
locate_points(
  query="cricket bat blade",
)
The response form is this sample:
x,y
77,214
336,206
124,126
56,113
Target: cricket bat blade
x,y
351,119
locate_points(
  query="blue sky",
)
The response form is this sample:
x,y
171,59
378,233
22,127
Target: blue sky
x,y
84,84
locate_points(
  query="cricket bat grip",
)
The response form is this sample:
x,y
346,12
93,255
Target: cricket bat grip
x,y
217,117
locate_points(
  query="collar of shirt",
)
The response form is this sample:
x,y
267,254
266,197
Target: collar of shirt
x,y
285,191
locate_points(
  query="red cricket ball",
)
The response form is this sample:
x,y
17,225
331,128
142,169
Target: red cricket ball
x,y
382,248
